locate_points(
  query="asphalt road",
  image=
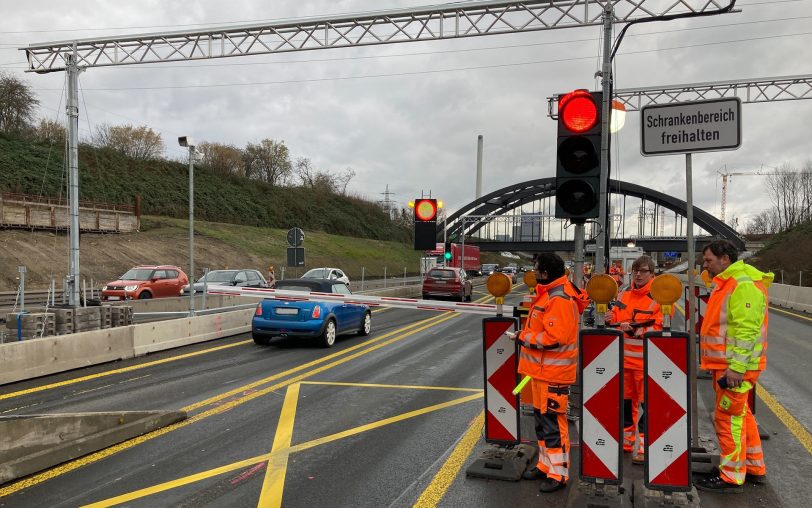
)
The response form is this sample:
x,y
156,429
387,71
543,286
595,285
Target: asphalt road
x,y
374,421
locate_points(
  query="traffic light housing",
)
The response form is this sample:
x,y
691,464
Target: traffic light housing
x,y
425,224
578,155
447,252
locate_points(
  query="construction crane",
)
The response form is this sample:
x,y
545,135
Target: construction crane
x,y
726,177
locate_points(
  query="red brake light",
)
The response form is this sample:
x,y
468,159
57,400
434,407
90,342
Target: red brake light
x,y
316,312
425,209
259,310
578,111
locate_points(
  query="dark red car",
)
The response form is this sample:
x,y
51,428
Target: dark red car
x,y
447,282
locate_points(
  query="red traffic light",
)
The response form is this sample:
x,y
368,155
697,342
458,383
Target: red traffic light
x,y
578,111
425,209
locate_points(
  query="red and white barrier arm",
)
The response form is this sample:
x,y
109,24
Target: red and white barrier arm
x,y
372,301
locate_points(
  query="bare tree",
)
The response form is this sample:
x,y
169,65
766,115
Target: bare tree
x,y
140,143
268,161
765,223
343,179
305,172
322,181
50,131
17,104
225,159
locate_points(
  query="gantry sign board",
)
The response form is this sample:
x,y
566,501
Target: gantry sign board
x,y
699,126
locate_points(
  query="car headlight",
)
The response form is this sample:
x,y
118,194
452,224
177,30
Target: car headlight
x,y
131,288
105,288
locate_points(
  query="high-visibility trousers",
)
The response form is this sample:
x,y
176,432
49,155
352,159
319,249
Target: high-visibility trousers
x,y
736,428
552,428
632,416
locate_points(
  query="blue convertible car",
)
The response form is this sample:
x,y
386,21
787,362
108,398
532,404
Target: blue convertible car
x,y
325,320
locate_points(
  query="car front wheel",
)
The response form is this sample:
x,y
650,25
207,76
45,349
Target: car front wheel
x,y
328,338
366,324
145,295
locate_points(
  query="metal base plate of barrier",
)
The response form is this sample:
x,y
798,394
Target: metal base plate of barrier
x,y
596,495
498,463
648,498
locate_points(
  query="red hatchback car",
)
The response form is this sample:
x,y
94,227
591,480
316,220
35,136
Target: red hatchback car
x,y
143,282
447,282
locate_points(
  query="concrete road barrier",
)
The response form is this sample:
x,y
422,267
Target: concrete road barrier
x,y
160,335
32,443
39,357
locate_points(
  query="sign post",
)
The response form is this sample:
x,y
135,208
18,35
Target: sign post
x,y
685,128
296,253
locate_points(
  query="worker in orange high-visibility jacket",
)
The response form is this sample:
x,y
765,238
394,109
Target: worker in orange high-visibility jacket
x,y
549,355
635,312
733,346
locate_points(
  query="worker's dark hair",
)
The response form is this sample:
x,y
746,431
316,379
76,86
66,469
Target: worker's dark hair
x,y
550,263
722,247
643,261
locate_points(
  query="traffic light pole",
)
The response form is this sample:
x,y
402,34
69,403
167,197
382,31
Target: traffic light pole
x,y
606,82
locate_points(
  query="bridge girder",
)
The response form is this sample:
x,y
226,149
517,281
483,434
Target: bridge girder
x,y
508,198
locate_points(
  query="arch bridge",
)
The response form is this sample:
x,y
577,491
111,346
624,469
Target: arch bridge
x,y
520,217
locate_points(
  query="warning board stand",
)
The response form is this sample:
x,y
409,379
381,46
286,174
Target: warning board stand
x,y
601,431
507,458
666,395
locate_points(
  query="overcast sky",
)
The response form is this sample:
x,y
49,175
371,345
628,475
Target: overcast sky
x,y
396,124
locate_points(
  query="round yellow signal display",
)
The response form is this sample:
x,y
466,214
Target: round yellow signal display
x,y
530,279
706,278
498,284
666,289
601,288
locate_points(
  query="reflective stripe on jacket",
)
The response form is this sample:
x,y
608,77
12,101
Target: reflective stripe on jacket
x,y
549,338
635,305
734,330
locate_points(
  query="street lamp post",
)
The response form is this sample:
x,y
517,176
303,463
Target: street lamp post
x,y
187,142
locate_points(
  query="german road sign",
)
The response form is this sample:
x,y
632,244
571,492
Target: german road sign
x,y
501,359
296,256
295,237
667,405
601,362
699,126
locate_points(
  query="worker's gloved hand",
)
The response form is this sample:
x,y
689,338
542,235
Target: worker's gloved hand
x,y
625,326
512,335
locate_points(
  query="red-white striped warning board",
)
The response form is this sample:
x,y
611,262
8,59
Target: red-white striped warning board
x,y
601,361
668,430
372,301
501,360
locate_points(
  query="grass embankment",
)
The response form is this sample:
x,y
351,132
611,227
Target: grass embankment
x,y
108,176
788,252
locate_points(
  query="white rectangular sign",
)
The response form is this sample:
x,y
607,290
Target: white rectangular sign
x,y
699,126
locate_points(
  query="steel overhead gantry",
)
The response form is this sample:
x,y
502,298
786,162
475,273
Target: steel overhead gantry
x,y
451,21
783,88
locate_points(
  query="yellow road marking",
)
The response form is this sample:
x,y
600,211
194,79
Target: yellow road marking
x,y
323,359
119,371
409,387
786,418
793,314
94,457
381,309
274,483
445,476
179,482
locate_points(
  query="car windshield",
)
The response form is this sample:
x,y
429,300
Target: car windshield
x,y
442,274
137,274
316,273
218,276
488,267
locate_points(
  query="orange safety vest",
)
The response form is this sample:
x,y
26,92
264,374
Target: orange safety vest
x,y
636,305
549,339
718,337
